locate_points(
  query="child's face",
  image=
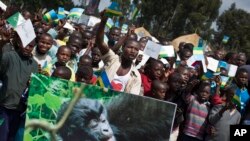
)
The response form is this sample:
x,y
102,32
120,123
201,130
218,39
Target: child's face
x,y
160,92
175,85
242,78
63,55
185,76
204,93
84,79
44,44
156,71
85,62
75,46
96,56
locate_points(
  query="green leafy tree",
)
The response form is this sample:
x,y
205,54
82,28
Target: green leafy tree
x,y
176,17
234,23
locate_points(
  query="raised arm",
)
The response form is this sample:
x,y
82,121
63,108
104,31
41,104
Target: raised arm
x,y
100,35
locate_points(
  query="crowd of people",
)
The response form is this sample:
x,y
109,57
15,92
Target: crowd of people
x,y
205,108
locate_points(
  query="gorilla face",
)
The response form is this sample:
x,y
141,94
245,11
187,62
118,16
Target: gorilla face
x,y
87,122
101,129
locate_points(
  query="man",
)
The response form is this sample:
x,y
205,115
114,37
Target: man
x,y
120,70
15,70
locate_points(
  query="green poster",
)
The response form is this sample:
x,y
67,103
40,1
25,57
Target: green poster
x,y
68,111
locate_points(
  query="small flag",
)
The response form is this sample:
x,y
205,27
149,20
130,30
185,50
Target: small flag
x,y
198,51
50,16
61,13
109,23
236,98
135,13
208,75
224,80
225,39
113,10
124,28
103,80
200,43
223,64
76,12
16,20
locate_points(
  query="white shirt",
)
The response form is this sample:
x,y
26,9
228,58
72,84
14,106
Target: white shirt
x,y
41,59
119,82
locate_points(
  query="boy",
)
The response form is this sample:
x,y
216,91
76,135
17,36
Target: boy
x,y
159,89
63,55
62,72
84,74
40,53
197,111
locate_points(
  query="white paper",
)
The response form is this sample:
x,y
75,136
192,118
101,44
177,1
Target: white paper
x,y
93,21
204,65
164,61
3,6
152,49
84,19
232,69
69,26
26,32
143,62
191,60
212,64
169,50
195,58
104,4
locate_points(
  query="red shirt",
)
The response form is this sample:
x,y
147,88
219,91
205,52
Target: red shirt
x,y
146,82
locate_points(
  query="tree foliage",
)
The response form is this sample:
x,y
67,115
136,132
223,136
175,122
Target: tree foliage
x,y
176,17
235,23
34,5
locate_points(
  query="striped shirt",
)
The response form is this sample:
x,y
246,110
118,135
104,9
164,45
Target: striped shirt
x,y
196,117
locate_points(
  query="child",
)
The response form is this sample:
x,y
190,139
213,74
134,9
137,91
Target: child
x,y
185,74
241,97
40,53
97,63
84,74
223,115
85,60
159,89
63,55
62,72
197,111
153,71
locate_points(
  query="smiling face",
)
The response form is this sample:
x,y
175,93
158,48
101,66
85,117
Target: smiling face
x,y
131,50
44,44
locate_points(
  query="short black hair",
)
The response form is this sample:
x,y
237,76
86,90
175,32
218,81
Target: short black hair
x,y
241,70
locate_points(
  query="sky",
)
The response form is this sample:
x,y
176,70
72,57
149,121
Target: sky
x,y
242,4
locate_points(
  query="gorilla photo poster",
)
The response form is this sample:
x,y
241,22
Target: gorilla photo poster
x,y
61,110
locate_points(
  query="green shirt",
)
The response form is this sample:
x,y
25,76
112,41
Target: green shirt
x,y
15,72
